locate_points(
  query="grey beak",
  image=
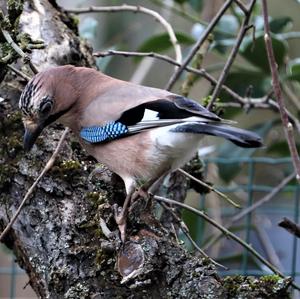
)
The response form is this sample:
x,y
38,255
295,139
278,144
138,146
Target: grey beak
x,y
30,136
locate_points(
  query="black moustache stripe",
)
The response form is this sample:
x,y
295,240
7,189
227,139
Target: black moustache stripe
x,y
52,118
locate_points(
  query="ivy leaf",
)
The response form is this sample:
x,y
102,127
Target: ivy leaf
x,y
280,148
197,5
255,51
278,25
240,79
180,1
294,70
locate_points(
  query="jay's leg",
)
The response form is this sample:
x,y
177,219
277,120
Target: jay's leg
x,y
132,195
121,217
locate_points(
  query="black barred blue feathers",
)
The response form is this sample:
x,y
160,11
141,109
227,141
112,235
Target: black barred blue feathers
x,y
109,131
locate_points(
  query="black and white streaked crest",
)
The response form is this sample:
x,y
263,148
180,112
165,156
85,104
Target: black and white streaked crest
x,y
32,97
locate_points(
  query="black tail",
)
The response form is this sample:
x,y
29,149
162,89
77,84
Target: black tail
x,y
238,136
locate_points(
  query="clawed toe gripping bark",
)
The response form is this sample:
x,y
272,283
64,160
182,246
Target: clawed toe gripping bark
x,y
121,215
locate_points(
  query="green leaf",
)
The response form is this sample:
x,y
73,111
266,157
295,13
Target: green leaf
x,y
191,220
294,69
196,4
229,171
239,80
280,24
255,51
277,25
161,42
180,1
281,148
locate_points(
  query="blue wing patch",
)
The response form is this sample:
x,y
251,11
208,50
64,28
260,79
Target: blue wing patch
x,y
109,131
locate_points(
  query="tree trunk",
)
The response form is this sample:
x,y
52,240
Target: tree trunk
x,y
57,238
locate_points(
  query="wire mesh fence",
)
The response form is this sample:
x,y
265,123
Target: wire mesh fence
x,y
256,178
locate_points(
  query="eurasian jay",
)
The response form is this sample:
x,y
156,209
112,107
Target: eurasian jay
x,y
140,133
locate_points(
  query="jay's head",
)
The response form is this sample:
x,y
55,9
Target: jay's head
x,y
45,99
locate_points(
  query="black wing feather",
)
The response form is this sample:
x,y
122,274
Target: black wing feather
x,y
193,107
176,107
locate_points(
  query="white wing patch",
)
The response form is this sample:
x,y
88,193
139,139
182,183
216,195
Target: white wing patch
x,y
150,115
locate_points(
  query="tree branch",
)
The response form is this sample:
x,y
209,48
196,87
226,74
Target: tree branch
x,y
19,73
252,208
259,103
199,43
136,9
288,127
222,195
31,189
243,30
187,234
242,6
227,233
18,50
290,226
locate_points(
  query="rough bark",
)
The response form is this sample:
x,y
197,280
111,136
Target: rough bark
x,y
57,238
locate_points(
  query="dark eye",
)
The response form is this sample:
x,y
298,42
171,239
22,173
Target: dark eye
x,y
45,108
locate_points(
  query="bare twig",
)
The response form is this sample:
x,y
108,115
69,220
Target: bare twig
x,y
265,199
179,12
259,103
187,234
266,243
31,189
19,73
243,30
198,60
290,226
199,43
168,59
227,233
137,9
291,117
251,208
18,50
184,13
242,6
143,68
209,188
288,127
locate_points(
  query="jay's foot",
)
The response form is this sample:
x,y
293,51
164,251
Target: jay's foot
x,y
139,193
121,220
121,215
145,195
